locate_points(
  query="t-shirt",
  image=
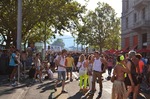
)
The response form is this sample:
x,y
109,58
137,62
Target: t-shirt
x,y
141,66
97,65
69,61
12,60
62,62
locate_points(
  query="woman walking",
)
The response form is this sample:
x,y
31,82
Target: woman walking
x,y
37,63
83,64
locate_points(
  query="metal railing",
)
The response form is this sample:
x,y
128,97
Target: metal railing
x,y
143,23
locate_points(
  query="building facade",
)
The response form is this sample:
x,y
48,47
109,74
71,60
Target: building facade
x,y
135,24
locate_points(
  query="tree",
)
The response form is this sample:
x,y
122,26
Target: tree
x,y
57,15
98,27
59,42
113,42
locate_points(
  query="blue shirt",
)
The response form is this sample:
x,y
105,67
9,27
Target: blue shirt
x,y
12,60
144,60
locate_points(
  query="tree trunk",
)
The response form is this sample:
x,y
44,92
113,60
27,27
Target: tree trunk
x,y
100,49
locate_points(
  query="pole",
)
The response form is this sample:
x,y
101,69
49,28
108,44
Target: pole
x,y
19,24
44,51
19,31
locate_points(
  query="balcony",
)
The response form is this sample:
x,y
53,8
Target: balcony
x,y
141,25
138,4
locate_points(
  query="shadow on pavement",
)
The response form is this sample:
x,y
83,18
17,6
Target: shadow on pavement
x,y
49,86
46,86
51,96
78,95
10,90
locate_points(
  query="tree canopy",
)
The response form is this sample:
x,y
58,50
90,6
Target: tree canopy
x,y
39,18
100,28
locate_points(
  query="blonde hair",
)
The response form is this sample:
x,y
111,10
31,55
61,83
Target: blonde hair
x,y
81,58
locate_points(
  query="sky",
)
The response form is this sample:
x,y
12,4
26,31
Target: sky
x,y
116,4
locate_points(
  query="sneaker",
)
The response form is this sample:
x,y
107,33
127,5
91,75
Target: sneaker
x,y
14,84
55,89
67,78
63,91
71,80
91,92
99,95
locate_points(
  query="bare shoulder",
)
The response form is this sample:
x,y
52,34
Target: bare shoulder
x,y
59,58
103,60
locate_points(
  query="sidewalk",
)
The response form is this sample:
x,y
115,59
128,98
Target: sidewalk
x,y
7,91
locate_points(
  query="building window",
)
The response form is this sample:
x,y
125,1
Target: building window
x,y
135,17
127,4
143,13
127,22
144,40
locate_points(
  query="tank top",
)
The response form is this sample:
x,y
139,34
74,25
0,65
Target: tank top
x,y
62,62
133,67
82,66
38,63
97,65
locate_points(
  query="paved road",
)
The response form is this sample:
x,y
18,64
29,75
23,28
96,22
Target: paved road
x,y
45,90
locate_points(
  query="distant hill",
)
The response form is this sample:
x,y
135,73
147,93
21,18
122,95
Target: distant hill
x,y
68,40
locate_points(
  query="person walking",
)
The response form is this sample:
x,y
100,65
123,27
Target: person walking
x,y
97,72
38,64
83,64
61,70
110,66
12,63
70,65
90,71
131,80
119,89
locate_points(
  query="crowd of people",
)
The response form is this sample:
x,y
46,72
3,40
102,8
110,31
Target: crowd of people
x,y
129,70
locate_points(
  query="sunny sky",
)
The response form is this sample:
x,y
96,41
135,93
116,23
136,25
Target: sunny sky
x,y
116,4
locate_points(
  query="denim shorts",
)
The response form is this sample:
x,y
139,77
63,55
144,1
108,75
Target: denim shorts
x,y
38,68
61,75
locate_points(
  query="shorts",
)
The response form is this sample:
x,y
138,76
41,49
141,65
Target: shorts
x,y
135,81
69,69
12,68
61,75
38,68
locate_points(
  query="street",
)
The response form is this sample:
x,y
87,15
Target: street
x,y
46,90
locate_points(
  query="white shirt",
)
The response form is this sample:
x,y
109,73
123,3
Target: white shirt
x,y
56,58
82,65
38,62
62,62
97,65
